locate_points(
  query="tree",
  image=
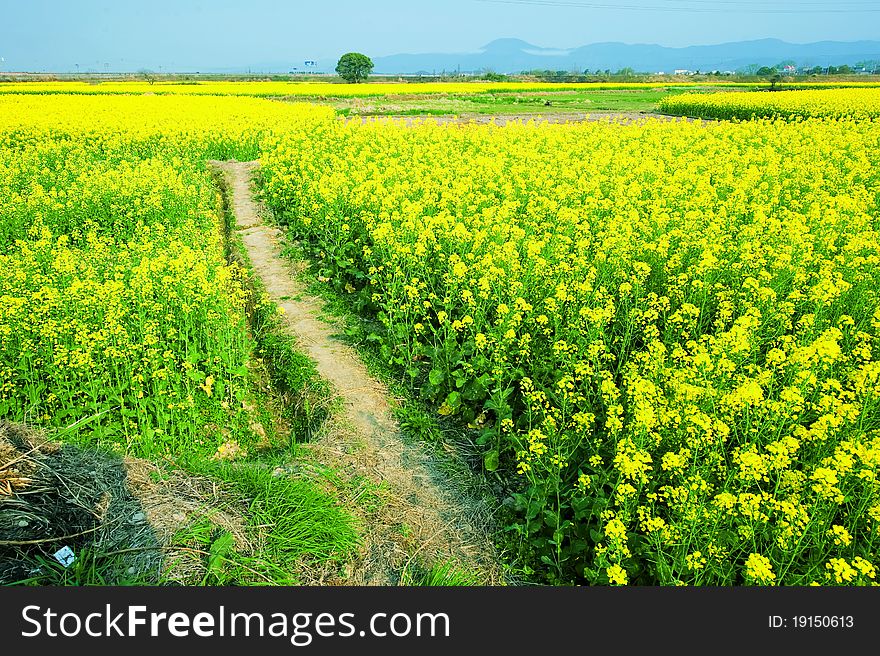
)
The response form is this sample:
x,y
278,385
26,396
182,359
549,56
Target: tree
x,y
354,67
146,74
492,76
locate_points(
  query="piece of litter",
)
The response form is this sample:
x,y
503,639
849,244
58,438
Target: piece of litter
x,y
137,518
65,556
22,523
131,570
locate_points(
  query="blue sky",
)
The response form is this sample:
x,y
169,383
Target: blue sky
x,y
192,34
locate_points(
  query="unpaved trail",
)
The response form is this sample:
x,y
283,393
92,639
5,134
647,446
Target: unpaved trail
x,y
504,119
414,514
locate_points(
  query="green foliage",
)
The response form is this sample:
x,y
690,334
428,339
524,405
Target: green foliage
x,y
441,575
354,67
297,523
293,375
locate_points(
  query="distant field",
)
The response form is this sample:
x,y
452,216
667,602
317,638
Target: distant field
x,y
501,103
338,90
826,103
461,99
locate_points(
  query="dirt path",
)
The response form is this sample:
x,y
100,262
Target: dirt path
x,y
413,514
542,117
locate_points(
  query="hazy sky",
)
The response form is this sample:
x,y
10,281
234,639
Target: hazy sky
x,y
188,34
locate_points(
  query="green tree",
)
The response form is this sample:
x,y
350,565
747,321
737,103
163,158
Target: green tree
x,y
354,67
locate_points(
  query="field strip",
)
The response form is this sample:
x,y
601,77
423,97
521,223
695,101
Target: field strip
x,y
504,119
417,517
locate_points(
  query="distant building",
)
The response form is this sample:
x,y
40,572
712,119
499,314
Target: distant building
x,y
683,71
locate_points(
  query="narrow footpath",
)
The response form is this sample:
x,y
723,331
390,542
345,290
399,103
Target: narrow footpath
x,y
410,514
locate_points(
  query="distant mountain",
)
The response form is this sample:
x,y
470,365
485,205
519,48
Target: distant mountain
x,y
514,56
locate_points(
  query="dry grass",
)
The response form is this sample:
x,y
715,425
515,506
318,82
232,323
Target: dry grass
x,y
54,495
403,522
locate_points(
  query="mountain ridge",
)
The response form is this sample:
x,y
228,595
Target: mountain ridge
x,y
510,55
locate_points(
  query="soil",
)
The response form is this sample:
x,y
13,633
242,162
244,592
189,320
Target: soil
x,y
410,512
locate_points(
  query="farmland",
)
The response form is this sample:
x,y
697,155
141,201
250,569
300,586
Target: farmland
x,y
657,338
121,320
837,103
315,89
321,89
674,361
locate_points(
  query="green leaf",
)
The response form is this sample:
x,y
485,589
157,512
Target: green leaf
x,y
196,375
220,548
485,436
453,400
436,377
490,461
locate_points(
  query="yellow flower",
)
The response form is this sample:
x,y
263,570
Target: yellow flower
x,y
695,561
840,535
840,570
864,567
617,575
759,570
208,385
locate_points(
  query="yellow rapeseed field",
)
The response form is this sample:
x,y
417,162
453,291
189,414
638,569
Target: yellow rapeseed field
x,y
834,103
117,305
665,335
336,90
310,89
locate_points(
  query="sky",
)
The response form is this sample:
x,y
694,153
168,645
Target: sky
x,y
189,35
